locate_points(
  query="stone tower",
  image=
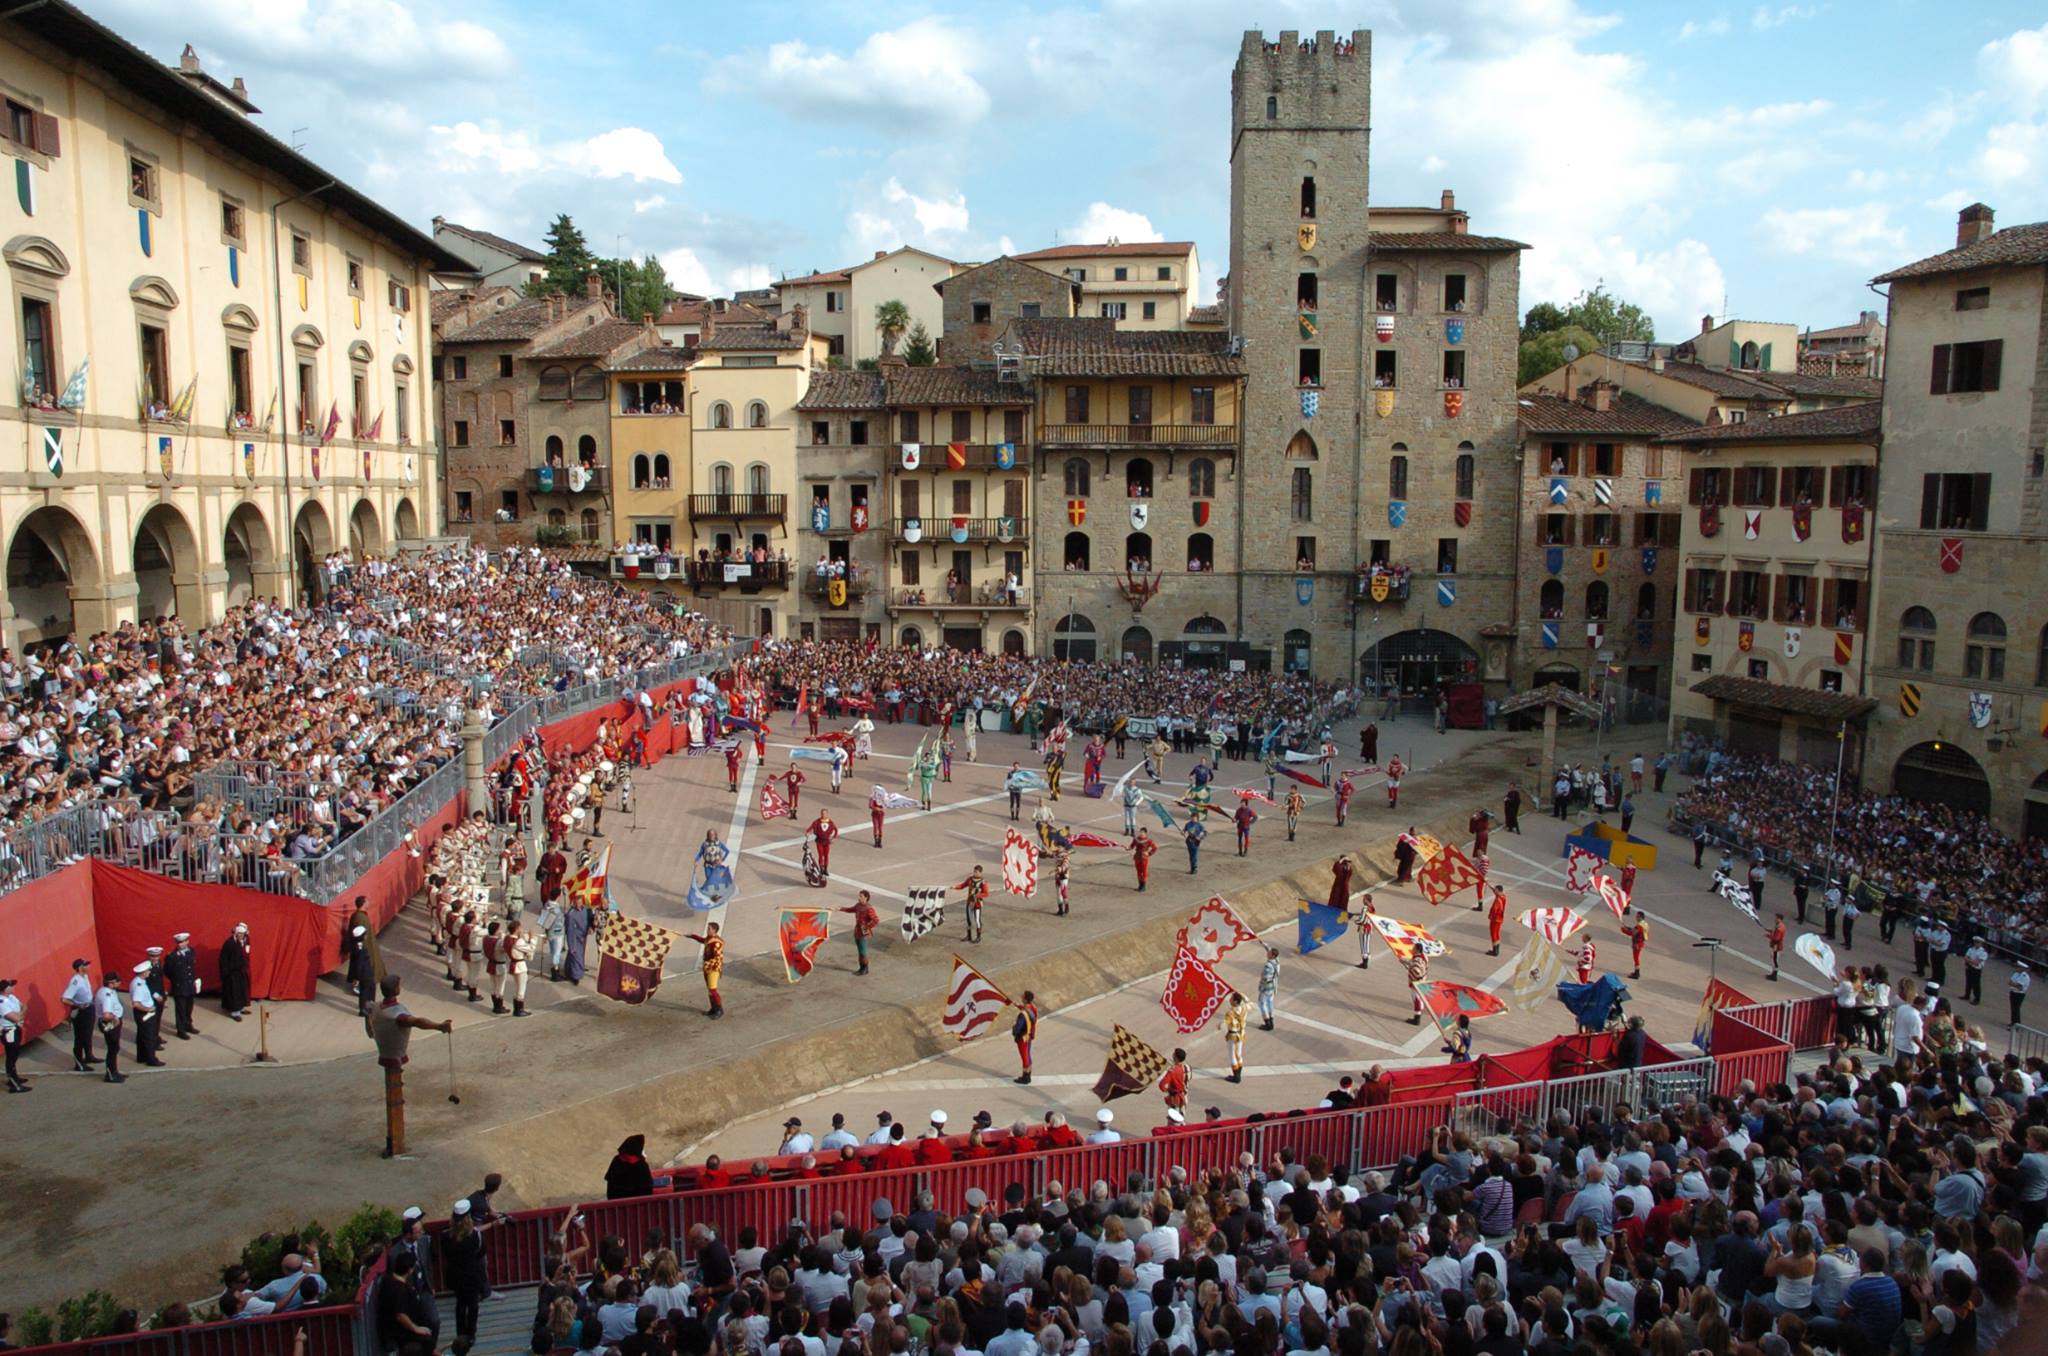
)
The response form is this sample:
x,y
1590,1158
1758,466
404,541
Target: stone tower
x,y
1299,117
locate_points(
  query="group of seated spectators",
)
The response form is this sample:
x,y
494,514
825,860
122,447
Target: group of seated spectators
x,y
1944,858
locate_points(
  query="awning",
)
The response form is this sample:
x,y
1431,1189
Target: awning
x,y
1810,702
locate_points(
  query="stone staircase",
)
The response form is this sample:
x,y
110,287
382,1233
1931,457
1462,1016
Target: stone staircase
x,y
504,1327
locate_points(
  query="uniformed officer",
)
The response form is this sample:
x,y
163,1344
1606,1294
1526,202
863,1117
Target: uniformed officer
x,y
470,940
148,1017
1973,970
1923,928
181,968
519,948
160,987
1939,941
1103,1134
11,1034
1233,1035
78,997
362,972
108,1012
2016,988
1831,907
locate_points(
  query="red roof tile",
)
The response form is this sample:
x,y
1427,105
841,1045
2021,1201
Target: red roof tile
x,y
2015,246
1384,241
1090,346
1842,424
1116,247
1629,414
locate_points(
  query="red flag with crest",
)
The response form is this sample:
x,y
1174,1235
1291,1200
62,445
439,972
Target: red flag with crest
x,y
1445,875
1193,992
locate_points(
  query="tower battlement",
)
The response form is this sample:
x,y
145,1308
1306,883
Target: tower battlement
x,y
1323,80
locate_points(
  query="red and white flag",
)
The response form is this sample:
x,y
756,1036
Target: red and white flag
x,y
1020,864
772,805
1445,874
1213,930
1580,866
1612,894
973,1003
1553,924
1405,939
1193,992
1083,838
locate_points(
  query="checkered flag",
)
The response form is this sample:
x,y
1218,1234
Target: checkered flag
x,y
630,958
925,912
1132,1066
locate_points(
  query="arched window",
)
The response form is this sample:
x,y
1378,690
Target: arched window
x,y
757,478
586,450
1138,479
661,481
721,414
1201,478
1206,625
1984,655
588,384
1302,496
554,383
1308,197
1295,649
643,472
721,480
1916,640
1073,637
757,414
1076,557
558,517
1137,645
1397,478
1138,553
1551,599
1646,602
1752,356
1301,447
1201,553
910,638
554,449
1013,642
1077,478
1596,600
1467,466
590,525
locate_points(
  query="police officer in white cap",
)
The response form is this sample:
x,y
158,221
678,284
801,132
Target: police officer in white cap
x,y
794,1138
78,997
1103,1134
181,969
2016,988
107,1015
10,1035
148,1016
362,969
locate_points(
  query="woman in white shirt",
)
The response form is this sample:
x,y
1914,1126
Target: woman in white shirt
x,y
1793,1272
1116,1243
1585,1248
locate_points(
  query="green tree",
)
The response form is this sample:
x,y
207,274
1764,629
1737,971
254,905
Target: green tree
x,y
892,318
1608,317
1543,317
917,347
568,259
646,289
1545,352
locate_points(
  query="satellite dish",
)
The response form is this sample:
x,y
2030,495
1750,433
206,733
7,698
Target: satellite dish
x,y
1571,353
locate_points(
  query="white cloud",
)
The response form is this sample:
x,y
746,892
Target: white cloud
x,y
686,272
890,215
1103,222
1683,280
1767,18
626,153
1859,235
2018,65
1433,164
1713,27
2014,150
749,276
649,204
623,152
379,38
944,215
1867,181
919,71
1765,167
1955,200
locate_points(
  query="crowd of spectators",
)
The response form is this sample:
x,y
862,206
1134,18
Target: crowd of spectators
x,y
1927,855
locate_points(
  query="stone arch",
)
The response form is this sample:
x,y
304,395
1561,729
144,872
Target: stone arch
x,y
1073,637
1297,648
151,290
1013,642
1136,646
1417,661
910,638
405,521
308,336
365,530
166,563
249,555
54,582
35,254
236,316
312,543
360,352
1301,447
402,365
1942,772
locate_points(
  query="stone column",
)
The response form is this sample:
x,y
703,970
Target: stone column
x,y
473,760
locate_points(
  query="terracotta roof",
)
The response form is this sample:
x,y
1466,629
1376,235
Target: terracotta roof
x,y
842,390
1796,701
1870,325
833,276
1205,315
521,320
746,337
951,386
1823,384
1116,247
1382,241
1842,424
1721,381
449,302
496,242
656,358
693,313
2015,246
1090,346
593,341
1629,414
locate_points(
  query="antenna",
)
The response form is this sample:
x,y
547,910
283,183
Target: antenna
x,y
298,145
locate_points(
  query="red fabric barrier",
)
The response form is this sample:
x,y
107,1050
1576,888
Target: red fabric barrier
x,y
291,942
1736,1035
1811,1023
44,926
1434,1081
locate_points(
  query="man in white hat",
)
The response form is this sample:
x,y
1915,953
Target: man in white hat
x,y
148,1016
2016,988
181,969
932,1147
1103,1134
362,969
234,973
107,1014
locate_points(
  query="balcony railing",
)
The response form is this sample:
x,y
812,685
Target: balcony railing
x,y
1138,435
971,600
947,527
972,457
746,576
739,505
566,480
816,585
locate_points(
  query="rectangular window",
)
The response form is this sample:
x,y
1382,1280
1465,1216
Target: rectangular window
x,y
401,410
302,253
1302,498
142,184
907,425
1737,416
1849,483
1462,477
1752,594
1138,404
1077,404
857,432
1557,529
1077,275
1600,530
1386,291
504,364
1151,310
963,426
1397,478
909,567
1013,499
1760,669
1307,288
1831,680
1031,310
1955,501
1973,299
1844,604
240,385
21,124
821,432
1166,273
1703,590
1380,551
156,366
1122,274
355,277
38,348
1961,368
1309,367
1385,369
1653,462
507,434
1454,291
1756,486
460,364
978,312
309,394
963,498
231,222
1702,663
1454,367
1606,459
1446,555
462,433
399,296
1304,553
832,305
1202,404
465,506
1800,485
907,498
1013,426
436,366
358,402
508,505
1113,310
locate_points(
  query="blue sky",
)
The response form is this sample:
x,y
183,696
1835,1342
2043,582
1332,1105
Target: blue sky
x,y
1774,155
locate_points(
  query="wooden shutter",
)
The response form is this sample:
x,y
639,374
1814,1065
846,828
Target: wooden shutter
x,y
1781,597
1930,500
1695,485
1827,603
1937,382
1980,500
46,134
1994,355
1838,477
1571,529
1769,489
1013,499
1667,529
907,497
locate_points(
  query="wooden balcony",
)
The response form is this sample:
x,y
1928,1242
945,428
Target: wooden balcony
x,y
958,530
738,576
734,506
903,600
562,479
1138,435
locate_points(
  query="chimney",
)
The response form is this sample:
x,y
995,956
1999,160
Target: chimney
x,y
1600,395
189,62
1656,360
1450,200
1973,223
707,327
647,321
718,305
800,319
1706,323
439,222
881,254
240,89
1867,317
593,285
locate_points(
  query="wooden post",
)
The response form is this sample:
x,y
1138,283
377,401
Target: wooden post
x,y
394,1112
263,1055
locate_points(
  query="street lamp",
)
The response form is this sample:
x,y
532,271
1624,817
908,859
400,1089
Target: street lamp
x,y
1835,808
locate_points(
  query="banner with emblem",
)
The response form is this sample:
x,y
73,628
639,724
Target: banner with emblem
x,y
1553,559
1131,1068
1549,633
1201,511
1603,492
1304,590
1397,513
800,935
249,461
1311,403
1745,636
313,456
1141,513
1006,529
1382,326
821,516
1845,646
860,517
1802,521
1380,586
913,530
166,457
959,530
1461,513
1649,560
1792,641
1305,236
1077,511
1702,631
1752,524
1653,492
1383,403
1305,322
1599,560
1006,456
1020,864
1454,404
1559,491
1980,710
835,592
53,445
1951,557
1852,523
1193,992
956,456
1454,330
913,456
1446,592
1595,633
630,958
923,911
1909,700
1710,521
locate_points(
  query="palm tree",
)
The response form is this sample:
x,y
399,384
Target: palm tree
x,y
892,318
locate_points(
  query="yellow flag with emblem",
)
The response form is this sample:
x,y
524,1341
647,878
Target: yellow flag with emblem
x,y
1538,969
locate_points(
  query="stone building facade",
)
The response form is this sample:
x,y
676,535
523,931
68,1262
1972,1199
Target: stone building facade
x,y
1599,529
1960,636
979,303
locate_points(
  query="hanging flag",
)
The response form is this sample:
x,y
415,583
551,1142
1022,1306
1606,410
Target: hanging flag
x,y
1426,845
1405,939
1559,492
1603,491
1461,513
1736,893
1317,924
1845,646
53,450
1752,524
1580,868
1193,992
1445,874
1132,1066
1649,560
773,806
1397,513
1214,929
1719,995
1552,924
801,935
1951,557
74,389
1548,630
923,911
913,453
1817,953
1311,402
333,423
1447,1001
1909,699
1020,864
630,958
1980,710
1538,969
1653,492
1446,592
1611,894
972,1002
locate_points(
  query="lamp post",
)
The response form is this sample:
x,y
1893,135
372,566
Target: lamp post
x,y
1835,807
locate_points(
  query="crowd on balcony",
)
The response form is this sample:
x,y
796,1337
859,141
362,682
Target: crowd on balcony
x,y
345,704
1920,856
